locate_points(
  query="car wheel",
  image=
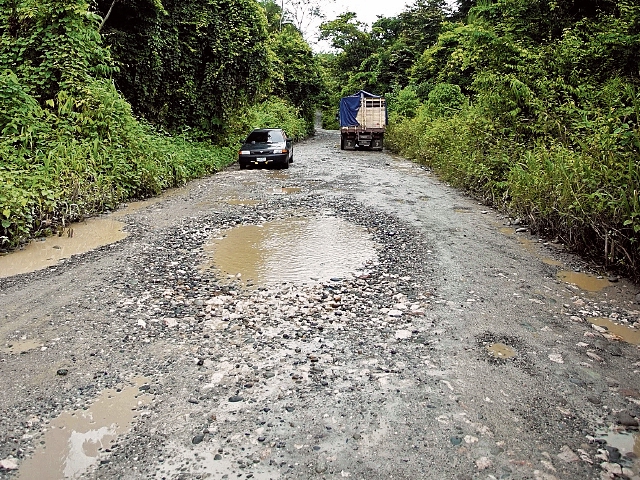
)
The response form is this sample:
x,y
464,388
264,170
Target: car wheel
x,y
242,166
285,164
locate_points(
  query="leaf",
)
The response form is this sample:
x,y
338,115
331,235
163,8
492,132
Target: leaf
x,y
6,223
6,212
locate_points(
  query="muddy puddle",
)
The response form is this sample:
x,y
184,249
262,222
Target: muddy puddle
x,y
298,250
75,441
584,281
531,246
624,333
80,237
500,350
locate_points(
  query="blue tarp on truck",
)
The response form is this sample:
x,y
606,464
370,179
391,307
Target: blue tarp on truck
x,y
349,107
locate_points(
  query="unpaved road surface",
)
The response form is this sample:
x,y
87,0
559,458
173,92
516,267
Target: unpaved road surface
x,y
446,346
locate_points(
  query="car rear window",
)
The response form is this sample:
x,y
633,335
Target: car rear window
x,y
265,137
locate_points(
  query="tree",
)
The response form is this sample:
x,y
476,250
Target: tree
x,y
187,62
300,81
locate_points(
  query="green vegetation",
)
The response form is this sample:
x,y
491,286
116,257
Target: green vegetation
x,y
532,105
100,107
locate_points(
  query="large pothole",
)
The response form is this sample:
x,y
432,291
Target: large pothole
x,y
297,250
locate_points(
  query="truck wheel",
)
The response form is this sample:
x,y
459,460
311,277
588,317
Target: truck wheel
x,y
341,143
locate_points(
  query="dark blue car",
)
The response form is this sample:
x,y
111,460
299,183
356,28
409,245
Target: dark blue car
x,y
266,146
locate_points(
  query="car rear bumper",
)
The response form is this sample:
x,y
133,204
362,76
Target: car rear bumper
x,y
263,159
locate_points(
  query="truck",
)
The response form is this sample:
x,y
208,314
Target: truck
x,y
363,119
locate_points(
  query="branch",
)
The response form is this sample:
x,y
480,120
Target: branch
x,y
106,17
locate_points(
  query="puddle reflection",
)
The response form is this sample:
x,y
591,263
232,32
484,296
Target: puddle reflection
x,y
627,443
74,440
627,334
499,350
294,250
81,237
584,281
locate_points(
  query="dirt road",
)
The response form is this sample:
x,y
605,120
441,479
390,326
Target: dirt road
x,y
349,317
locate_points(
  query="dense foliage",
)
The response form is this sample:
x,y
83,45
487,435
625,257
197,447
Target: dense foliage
x,y
533,105
84,122
174,55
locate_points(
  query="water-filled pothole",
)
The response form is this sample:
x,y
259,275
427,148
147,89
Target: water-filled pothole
x,y
584,281
75,440
627,443
295,250
627,334
500,350
80,237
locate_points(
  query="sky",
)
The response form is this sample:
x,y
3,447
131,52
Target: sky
x,y
367,11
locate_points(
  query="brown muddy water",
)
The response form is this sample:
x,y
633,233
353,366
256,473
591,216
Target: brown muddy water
x,y
75,440
584,281
626,334
80,237
297,250
499,350
530,246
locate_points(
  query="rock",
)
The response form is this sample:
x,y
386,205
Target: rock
x,y
556,357
483,463
217,457
521,230
8,464
62,372
625,419
197,439
595,356
193,400
171,322
403,334
612,468
594,400
236,398
455,441
567,455
395,313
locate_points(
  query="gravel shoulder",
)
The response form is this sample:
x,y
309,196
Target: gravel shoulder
x,y
384,373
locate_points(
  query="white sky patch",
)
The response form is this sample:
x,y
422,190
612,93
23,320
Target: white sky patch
x,y
367,11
